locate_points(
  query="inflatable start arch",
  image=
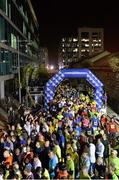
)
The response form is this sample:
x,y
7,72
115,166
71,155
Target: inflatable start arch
x,y
52,84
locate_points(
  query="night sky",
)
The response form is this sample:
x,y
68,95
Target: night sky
x,y
59,18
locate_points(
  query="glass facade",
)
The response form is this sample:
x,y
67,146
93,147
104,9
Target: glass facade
x,y
16,22
5,62
3,5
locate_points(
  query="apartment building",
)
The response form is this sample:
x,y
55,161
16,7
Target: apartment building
x,y
19,41
91,41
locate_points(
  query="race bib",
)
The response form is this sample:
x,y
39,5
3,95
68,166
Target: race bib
x,y
112,126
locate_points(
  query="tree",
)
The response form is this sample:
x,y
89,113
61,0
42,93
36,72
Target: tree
x,y
42,71
27,74
114,63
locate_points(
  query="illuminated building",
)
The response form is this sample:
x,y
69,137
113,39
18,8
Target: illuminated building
x,y
19,41
91,41
68,51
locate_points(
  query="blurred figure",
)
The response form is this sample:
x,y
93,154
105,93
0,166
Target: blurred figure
x,y
85,161
100,169
99,147
112,129
111,173
52,164
70,166
92,150
84,173
16,170
113,159
63,174
28,174
8,158
36,162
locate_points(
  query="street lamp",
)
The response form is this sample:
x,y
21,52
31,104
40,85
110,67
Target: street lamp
x,y
51,67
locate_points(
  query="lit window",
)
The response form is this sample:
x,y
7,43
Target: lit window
x,y
82,39
63,50
75,50
13,41
75,40
83,50
85,40
86,45
99,40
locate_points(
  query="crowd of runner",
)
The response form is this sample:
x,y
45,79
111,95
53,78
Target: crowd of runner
x,y
71,140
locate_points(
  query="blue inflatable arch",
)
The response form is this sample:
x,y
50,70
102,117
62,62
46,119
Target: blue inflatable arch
x,y
52,84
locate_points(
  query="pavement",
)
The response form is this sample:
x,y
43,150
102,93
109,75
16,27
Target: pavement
x,y
111,113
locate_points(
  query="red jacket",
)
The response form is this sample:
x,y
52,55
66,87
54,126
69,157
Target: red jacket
x,y
112,127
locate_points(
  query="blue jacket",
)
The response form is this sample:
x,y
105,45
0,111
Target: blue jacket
x,y
52,165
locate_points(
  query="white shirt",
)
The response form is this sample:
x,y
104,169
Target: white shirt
x,y
92,153
37,164
100,149
45,127
38,128
27,127
1,177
